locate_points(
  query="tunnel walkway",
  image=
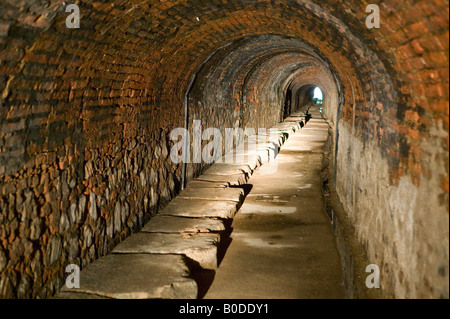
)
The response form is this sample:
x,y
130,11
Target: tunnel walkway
x,y
281,245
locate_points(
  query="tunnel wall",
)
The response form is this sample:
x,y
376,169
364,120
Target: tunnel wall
x,y
392,161
84,152
85,117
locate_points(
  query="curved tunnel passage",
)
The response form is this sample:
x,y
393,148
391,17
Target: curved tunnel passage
x,y
86,116
245,83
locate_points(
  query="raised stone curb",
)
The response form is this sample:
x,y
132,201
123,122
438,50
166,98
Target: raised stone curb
x,y
206,184
216,194
136,276
229,169
243,157
171,224
200,209
231,180
201,248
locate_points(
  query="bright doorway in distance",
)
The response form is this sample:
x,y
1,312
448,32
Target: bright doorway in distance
x,y
318,95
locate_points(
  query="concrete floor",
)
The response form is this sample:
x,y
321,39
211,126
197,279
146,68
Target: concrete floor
x,y
281,244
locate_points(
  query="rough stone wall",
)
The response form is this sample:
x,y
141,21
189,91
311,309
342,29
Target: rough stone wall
x,y
55,215
404,228
81,165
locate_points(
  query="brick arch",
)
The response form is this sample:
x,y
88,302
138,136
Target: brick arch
x,y
323,78
177,53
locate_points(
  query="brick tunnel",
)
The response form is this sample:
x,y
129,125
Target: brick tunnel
x,y
87,116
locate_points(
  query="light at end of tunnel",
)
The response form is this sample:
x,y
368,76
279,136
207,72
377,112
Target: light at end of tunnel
x,y
318,95
318,98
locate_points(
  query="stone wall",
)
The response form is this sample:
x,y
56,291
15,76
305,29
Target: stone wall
x,y
56,215
403,227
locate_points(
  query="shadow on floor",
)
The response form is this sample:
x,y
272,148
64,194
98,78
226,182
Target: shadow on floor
x,y
247,189
204,277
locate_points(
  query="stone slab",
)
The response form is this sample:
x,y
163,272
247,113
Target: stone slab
x,y
287,127
201,248
279,138
263,138
220,194
242,157
200,209
228,169
137,276
294,118
264,155
284,134
172,224
231,180
206,184
269,146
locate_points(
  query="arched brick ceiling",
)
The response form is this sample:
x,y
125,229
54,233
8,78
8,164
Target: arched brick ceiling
x,y
132,60
252,69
